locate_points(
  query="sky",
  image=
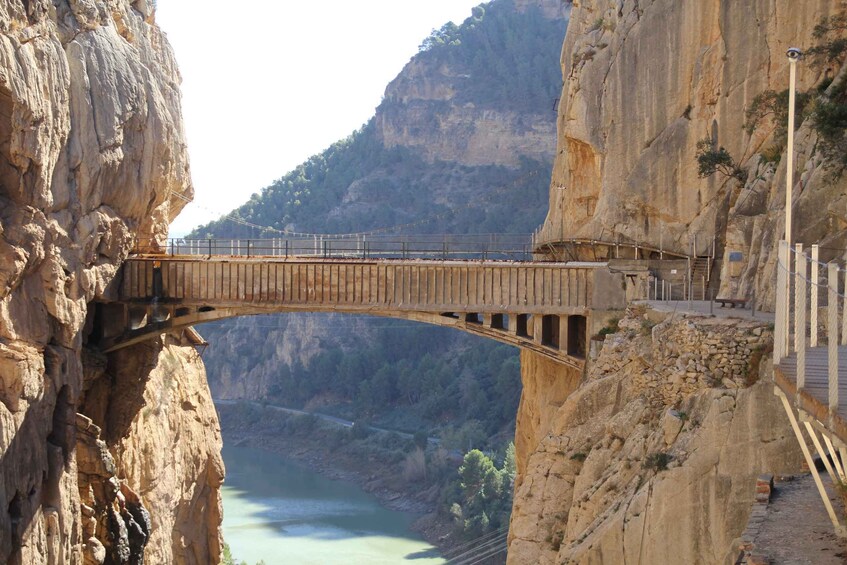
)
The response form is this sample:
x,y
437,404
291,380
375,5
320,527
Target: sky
x,y
266,86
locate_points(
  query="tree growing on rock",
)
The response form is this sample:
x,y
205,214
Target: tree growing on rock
x,y
711,160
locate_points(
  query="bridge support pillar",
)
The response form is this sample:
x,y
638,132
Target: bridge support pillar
x,y
537,328
563,333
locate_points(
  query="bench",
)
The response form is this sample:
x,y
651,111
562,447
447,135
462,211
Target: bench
x,y
740,302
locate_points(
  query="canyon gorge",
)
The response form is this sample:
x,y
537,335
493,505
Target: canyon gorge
x,y
649,455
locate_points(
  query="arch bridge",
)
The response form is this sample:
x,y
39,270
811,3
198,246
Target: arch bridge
x,y
551,308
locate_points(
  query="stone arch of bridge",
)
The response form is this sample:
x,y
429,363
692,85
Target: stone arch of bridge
x,y
130,324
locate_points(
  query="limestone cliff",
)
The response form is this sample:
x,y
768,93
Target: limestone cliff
x,y
644,81
653,458
91,154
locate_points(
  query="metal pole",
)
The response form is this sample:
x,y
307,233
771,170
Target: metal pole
x,y
793,56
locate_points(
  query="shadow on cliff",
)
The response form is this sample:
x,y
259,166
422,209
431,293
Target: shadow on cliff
x,y
32,467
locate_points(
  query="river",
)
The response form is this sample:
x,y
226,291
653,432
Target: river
x,y
285,514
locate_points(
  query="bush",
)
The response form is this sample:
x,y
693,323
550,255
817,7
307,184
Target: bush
x,y
657,461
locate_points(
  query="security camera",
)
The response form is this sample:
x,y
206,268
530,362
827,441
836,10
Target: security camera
x,y
794,54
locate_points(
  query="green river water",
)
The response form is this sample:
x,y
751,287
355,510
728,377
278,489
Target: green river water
x,y
285,514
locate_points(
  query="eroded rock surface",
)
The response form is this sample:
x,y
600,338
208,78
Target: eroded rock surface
x,y
644,81
653,457
92,152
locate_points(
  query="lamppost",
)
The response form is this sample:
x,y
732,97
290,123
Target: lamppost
x,y
794,55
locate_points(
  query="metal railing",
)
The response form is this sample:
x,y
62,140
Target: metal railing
x,y
687,288
515,247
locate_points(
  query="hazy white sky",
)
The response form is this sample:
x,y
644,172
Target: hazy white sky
x,y
267,84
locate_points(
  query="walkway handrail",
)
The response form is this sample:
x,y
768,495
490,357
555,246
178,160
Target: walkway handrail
x,y
811,390
471,246
799,294
696,247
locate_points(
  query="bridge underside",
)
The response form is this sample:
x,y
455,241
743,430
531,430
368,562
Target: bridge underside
x,y
559,337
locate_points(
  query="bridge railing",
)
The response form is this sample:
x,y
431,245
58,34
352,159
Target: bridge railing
x,y
517,247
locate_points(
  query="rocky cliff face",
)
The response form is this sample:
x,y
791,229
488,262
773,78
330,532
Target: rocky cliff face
x,y
91,155
644,81
653,458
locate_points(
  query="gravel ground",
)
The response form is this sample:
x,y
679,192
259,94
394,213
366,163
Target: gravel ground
x,y
797,529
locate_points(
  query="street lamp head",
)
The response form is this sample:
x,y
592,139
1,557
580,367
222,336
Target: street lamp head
x,y
794,54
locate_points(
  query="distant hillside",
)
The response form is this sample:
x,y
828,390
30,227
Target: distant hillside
x,y
463,142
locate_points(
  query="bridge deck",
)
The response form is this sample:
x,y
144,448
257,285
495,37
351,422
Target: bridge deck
x,y
814,397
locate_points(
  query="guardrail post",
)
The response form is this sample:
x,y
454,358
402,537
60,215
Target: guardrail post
x,y
844,319
172,246
832,338
210,248
780,322
800,314
286,249
815,299
248,248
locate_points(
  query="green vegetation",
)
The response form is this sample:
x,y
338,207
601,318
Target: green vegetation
x,y
424,378
481,500
506,61
228,559
611,327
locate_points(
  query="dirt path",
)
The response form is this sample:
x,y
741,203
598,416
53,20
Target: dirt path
x,y
797,529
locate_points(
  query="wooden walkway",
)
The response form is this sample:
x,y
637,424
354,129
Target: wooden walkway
x,y
814,396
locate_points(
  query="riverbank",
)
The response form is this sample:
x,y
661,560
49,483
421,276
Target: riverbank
x,y
382,464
